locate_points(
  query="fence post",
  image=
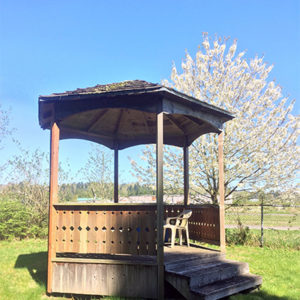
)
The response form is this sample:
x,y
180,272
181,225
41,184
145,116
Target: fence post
x,y
261,220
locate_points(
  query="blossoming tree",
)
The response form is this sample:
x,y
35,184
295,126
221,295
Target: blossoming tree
x,y
260,144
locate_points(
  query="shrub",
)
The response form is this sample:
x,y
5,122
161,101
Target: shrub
x,y
16,221
239,236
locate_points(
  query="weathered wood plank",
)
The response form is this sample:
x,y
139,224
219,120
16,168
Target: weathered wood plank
x,y
123,280
92,245
76,231
117,261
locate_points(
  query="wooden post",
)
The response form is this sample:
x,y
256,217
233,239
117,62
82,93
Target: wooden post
x,y
116,176
53,198
186,178
221,192
261,220
160,206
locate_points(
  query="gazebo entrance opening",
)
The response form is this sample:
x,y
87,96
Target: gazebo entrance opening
x,y
117,249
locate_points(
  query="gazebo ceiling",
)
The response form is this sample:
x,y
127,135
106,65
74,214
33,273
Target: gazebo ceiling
x,y
121,115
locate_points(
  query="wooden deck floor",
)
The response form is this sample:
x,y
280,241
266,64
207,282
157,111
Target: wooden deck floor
x,y
171,255
180,253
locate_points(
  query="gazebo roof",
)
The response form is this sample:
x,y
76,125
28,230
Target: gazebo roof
x,y
120,115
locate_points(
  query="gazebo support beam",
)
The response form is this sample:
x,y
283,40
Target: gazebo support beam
x,y
53,198
116,176
221,192
160,206
186,174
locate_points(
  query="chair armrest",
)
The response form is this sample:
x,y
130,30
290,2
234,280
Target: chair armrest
x,y
168,220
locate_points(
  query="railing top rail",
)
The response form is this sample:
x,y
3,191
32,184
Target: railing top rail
x,y
103,204
130,204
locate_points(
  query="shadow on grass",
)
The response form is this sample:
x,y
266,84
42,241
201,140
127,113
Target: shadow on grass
x,y
36,264
257,294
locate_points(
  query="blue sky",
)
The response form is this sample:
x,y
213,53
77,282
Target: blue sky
x,y
53,46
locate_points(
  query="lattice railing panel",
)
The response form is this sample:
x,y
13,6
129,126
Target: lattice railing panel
x,y
125,229
204,224
100,229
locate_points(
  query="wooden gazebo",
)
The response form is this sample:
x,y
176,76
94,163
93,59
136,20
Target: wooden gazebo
x,y
118,249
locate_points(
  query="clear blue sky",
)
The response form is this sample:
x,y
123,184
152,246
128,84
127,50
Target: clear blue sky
x,y
53,46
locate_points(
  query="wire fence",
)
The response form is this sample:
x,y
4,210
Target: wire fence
x,y
263,216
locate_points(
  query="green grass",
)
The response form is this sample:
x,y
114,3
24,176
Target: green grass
x,y
23,270
280,269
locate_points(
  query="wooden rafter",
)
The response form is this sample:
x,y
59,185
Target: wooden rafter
x,y
89,134
96,119
176,123
117,127
195,121
146,123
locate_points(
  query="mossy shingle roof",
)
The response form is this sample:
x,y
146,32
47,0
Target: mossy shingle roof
x,y
124,114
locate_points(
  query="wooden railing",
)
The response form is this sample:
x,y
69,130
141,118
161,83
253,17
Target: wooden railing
x,y
204,224
124,229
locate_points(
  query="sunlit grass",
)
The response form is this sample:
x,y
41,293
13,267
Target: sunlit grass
x,y
17,282
280,269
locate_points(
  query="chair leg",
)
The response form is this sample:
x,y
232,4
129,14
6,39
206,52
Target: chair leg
x,y
180,236
173,230
187,236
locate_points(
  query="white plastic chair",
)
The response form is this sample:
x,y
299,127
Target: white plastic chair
x,y
179,223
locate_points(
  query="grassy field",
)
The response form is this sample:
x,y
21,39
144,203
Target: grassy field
x,y
23,270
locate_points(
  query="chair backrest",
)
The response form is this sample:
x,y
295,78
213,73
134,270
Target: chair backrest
x,y
183,218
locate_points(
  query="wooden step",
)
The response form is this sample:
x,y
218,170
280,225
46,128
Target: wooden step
x,y
227,287
193,261
221,271
205,273
175,257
